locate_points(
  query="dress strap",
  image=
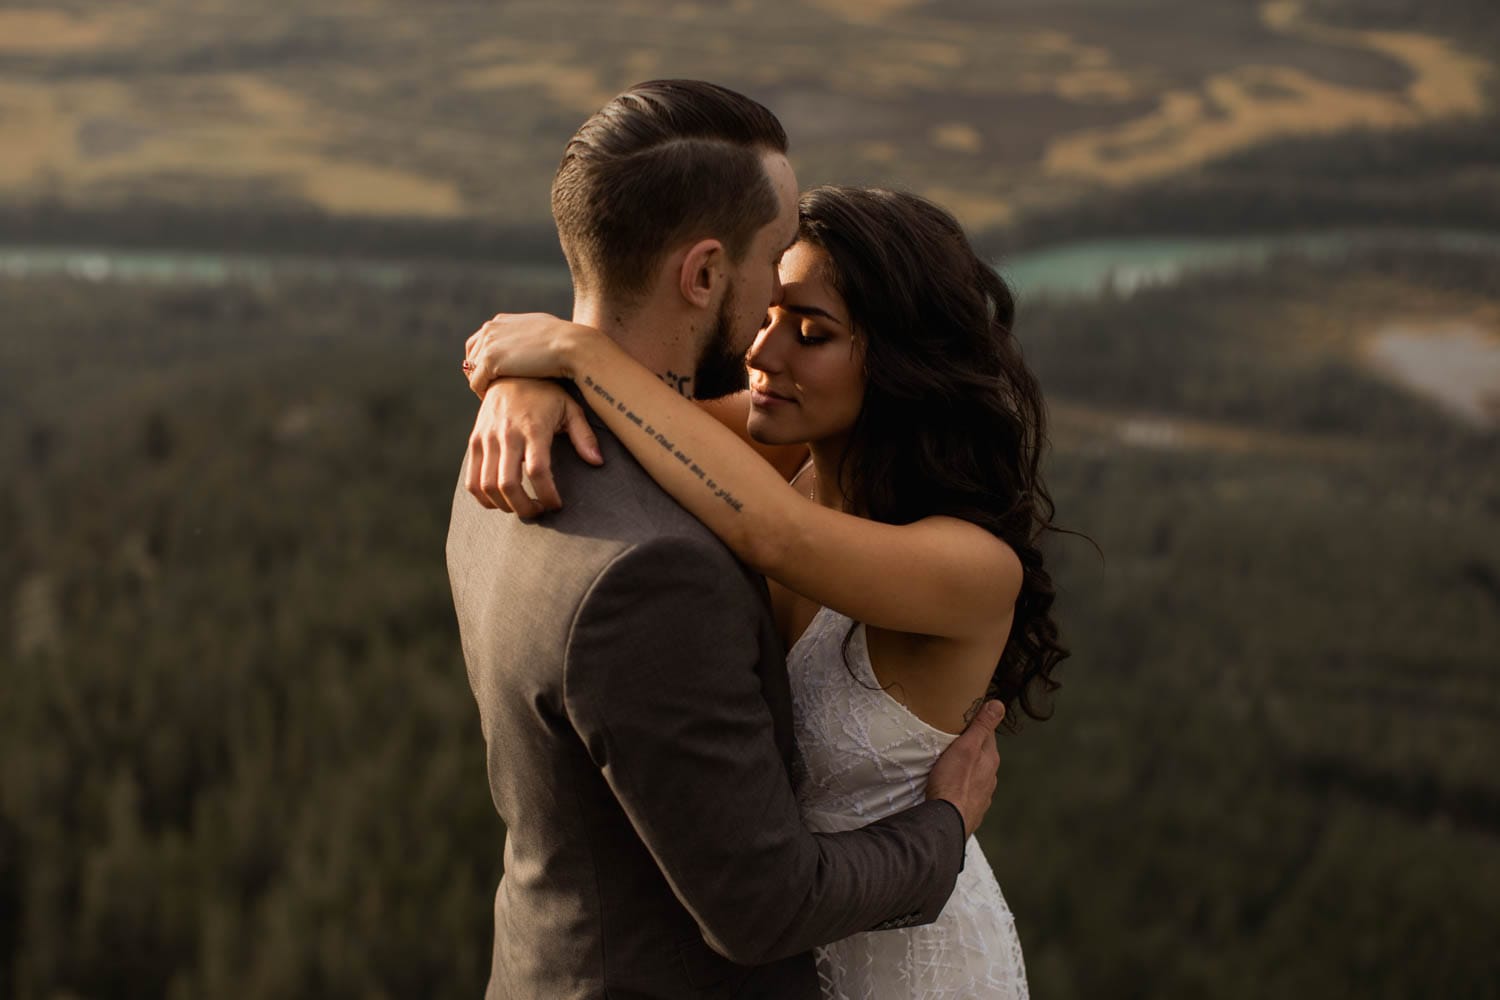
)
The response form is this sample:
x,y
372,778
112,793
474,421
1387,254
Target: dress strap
x,y
801,472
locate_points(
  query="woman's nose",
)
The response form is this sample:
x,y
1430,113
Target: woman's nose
x,y
761,355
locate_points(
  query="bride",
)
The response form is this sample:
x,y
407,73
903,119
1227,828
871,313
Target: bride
x,y
882,471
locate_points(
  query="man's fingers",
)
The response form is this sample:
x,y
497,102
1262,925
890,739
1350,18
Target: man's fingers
x,y
979,735
582,435
474,474
538,468
511,446
510,486
989,716
489,478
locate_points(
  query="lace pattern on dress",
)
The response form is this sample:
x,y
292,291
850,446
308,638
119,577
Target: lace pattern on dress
x,y
864,755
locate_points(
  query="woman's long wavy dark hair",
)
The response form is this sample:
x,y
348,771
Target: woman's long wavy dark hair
x,y
953,421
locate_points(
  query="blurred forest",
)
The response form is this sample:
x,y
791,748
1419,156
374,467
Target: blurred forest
x,y
240,757
238,753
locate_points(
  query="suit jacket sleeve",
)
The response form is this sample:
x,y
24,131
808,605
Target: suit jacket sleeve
x,y
661,683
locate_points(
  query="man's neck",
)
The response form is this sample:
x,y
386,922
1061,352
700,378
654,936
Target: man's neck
x,y
664,344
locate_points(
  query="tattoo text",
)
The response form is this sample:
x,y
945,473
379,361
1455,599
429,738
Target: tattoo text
x,y
719,492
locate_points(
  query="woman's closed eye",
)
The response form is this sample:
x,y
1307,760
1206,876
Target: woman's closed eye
x,y
806,336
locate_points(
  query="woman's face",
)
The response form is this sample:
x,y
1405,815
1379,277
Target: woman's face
x,y
807,379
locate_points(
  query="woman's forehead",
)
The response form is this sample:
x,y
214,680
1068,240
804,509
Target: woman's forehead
x,y
807,279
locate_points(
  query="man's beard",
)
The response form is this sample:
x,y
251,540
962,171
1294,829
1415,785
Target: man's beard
x,y
721,367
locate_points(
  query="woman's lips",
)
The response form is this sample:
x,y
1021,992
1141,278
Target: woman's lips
x,y
761,397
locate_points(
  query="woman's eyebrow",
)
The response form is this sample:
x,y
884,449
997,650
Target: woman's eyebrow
x,y
813,311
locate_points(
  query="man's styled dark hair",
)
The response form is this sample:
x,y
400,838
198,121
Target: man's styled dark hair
x,y
664,162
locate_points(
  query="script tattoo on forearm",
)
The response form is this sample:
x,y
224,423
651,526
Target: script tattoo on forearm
x,y
719,492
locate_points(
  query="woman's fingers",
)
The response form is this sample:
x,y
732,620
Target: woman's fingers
x,y
479,335
516,345
479,381
477,354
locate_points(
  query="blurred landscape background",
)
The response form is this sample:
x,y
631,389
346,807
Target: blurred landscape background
x,y
1257,246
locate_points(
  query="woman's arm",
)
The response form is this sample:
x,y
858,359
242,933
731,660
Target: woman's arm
x,y
940,576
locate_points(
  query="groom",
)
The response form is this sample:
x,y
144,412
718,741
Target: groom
x,y
631,686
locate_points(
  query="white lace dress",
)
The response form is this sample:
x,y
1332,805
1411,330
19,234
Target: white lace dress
x,y
866,756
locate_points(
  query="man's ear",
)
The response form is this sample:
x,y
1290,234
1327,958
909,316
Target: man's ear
x,y
703,271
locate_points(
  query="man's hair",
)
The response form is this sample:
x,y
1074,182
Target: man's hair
x,y
664,162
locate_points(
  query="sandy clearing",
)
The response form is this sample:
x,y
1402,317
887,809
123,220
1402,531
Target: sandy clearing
x,y
28,31
891,65
1247,105
1073,422
575,88
1075,71
1092,86
340,186
274,137
865,11
1231,111
1454,362
266,101
899,51
38,126
1024,61
1445,81
973,209
957,137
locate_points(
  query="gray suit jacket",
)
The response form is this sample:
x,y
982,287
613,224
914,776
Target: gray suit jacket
x,y
635,706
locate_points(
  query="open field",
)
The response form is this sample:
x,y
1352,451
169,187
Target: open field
x,y
380,108
240,757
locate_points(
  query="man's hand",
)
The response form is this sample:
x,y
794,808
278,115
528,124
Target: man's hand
x,y
965,773
513,433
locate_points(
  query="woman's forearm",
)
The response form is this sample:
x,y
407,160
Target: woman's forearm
x,y
705,466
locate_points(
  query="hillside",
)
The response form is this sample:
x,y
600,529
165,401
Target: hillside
x,y
240,757
1009,113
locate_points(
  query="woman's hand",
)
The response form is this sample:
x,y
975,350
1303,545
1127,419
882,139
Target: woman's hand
x,y
521,345
513,433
